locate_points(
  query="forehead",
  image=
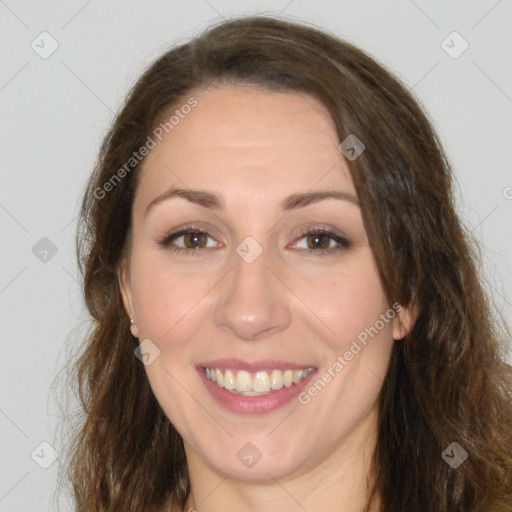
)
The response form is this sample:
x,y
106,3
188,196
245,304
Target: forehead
x,y
243,138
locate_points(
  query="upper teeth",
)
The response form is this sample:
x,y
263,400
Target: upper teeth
x,y
258,383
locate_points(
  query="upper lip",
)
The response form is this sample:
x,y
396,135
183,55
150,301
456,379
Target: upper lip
x,y
253,366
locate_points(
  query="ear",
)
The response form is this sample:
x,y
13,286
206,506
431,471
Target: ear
x,y
403,321
126,295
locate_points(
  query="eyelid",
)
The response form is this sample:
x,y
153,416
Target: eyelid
x,y
321,229
166,239
324,229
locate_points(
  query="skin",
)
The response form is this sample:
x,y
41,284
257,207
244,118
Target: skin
x,y
254,148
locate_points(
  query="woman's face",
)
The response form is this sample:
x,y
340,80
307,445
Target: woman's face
x,y
224,279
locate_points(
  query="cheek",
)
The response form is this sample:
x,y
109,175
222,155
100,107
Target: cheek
x,y
168,302
169,307
348,301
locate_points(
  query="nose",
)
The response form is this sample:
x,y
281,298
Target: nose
x,y
253,302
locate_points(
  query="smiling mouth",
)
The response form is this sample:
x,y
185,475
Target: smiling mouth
x,y
259,383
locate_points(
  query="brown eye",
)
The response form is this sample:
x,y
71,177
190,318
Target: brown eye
x,y
188,240
322,242
318,241
195,240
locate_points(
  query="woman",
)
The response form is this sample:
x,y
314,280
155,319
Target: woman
x,y
287,309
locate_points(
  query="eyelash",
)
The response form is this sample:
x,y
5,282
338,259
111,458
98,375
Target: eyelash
x,y
166,240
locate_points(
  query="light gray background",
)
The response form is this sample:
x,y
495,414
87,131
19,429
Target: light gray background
x,y
55,111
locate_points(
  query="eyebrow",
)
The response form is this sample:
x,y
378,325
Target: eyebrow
x,y
212,201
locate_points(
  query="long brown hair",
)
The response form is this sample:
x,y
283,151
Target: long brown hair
x,y
447,381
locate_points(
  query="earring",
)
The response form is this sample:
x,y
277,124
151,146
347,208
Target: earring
x,y
133,328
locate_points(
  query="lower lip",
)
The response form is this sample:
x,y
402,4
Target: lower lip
x,y
253,405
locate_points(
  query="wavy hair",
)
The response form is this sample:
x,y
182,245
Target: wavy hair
x,y
448,380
